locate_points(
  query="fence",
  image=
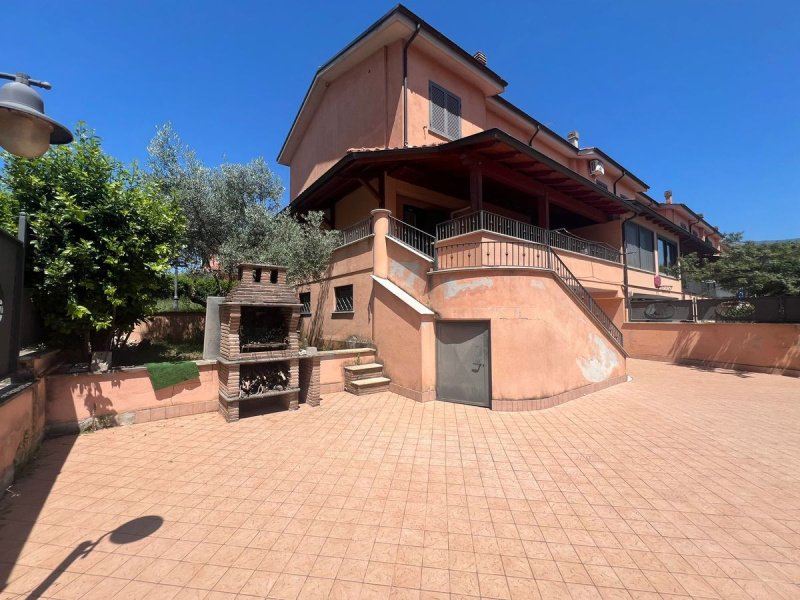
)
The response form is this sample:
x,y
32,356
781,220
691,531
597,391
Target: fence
x,y
772,309
11,273
411,236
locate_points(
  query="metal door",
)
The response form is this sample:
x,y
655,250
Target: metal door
x,y
462,362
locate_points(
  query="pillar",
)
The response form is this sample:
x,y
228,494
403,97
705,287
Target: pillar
x,y
380,255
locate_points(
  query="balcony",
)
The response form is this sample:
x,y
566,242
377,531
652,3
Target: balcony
x,y
494,223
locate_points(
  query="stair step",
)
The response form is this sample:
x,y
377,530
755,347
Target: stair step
x,y
370,385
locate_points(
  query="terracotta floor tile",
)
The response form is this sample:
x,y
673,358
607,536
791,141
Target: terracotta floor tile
x,y
642,491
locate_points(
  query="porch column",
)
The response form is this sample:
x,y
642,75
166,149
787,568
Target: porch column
x,y
380,229
543,212
476,187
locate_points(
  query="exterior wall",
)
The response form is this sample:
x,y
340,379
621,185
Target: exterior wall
x,y
345,120
594,274
173,326
350,265
125,397
542,343
609,233
769,347
406,346
422,69
408,270
332,363
354,207
21,429
614,308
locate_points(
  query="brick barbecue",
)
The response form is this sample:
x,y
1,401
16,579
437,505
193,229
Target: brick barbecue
x,y
259,340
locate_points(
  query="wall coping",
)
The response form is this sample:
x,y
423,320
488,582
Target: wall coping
x,y
332,354
134,369
644,324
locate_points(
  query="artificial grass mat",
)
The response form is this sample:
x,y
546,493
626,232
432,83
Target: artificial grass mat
x,y
165,374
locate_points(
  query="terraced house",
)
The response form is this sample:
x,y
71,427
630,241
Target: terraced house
x,y
488,258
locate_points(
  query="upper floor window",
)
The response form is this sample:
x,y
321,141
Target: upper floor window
x,y
639,247
667,253
445,112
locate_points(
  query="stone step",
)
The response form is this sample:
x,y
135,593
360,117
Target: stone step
x,y
366,371
371,385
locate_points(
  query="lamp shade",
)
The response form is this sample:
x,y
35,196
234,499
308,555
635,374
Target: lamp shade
x,y
24,128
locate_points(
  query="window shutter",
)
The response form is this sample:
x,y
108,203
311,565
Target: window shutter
x,y
646,244
453,117
438,101
632,244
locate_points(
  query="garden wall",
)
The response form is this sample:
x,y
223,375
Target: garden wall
x,y
76,401
171,326
765,347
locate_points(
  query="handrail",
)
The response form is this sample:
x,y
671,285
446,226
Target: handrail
x,y
523,254
488,221
358,231
411,236
563,273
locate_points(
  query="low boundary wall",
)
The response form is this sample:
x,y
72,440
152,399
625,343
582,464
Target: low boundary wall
x,y
761,347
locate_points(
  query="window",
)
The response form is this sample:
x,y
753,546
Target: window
x,y
344,298
639,247
305,300
667,253
445,112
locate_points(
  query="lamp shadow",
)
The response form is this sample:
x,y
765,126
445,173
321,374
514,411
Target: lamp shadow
x,y
126,533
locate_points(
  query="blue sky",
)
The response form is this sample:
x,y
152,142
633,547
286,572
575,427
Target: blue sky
x,y
701,97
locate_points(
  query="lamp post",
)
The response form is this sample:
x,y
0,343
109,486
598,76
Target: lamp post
x,y
24,128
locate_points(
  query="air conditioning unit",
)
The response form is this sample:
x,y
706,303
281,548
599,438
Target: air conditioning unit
x,y
596,168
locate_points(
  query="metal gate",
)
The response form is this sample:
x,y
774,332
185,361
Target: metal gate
x,y
463,364
11,266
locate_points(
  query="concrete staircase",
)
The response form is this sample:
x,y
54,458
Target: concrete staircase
x,y
361,380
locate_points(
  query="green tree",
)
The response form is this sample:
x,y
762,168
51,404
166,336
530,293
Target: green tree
x,y
760,269
233,215
101,236
9,212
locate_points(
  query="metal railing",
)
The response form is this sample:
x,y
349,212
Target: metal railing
x,y
357,232
411,236
488,221
567,241
523,254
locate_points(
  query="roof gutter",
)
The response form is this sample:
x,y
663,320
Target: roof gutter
x,y
405,83
616,181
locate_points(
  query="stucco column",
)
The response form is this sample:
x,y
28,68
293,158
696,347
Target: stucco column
x,y
380,255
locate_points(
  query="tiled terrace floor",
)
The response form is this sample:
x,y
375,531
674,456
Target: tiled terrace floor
x,y
681,483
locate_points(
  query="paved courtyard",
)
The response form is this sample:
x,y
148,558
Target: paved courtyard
x,y
682,483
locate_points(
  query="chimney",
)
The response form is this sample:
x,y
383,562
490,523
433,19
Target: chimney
x,y
573,137
668,196
480,57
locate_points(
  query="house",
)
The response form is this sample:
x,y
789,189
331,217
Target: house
x,y
487,257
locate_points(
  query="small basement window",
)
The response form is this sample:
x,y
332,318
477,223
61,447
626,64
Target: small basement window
x,y
305,300
344,298
445,109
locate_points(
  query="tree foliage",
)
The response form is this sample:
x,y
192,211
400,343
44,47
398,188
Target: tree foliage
x,y
760,269
233,214
101,236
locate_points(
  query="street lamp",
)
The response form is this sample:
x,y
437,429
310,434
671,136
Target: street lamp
x,y
24,128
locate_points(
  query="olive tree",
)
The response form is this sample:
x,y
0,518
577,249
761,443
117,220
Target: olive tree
x,y
233,214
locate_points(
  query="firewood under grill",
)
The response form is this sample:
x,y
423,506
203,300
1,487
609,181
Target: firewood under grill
x,y
262,379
